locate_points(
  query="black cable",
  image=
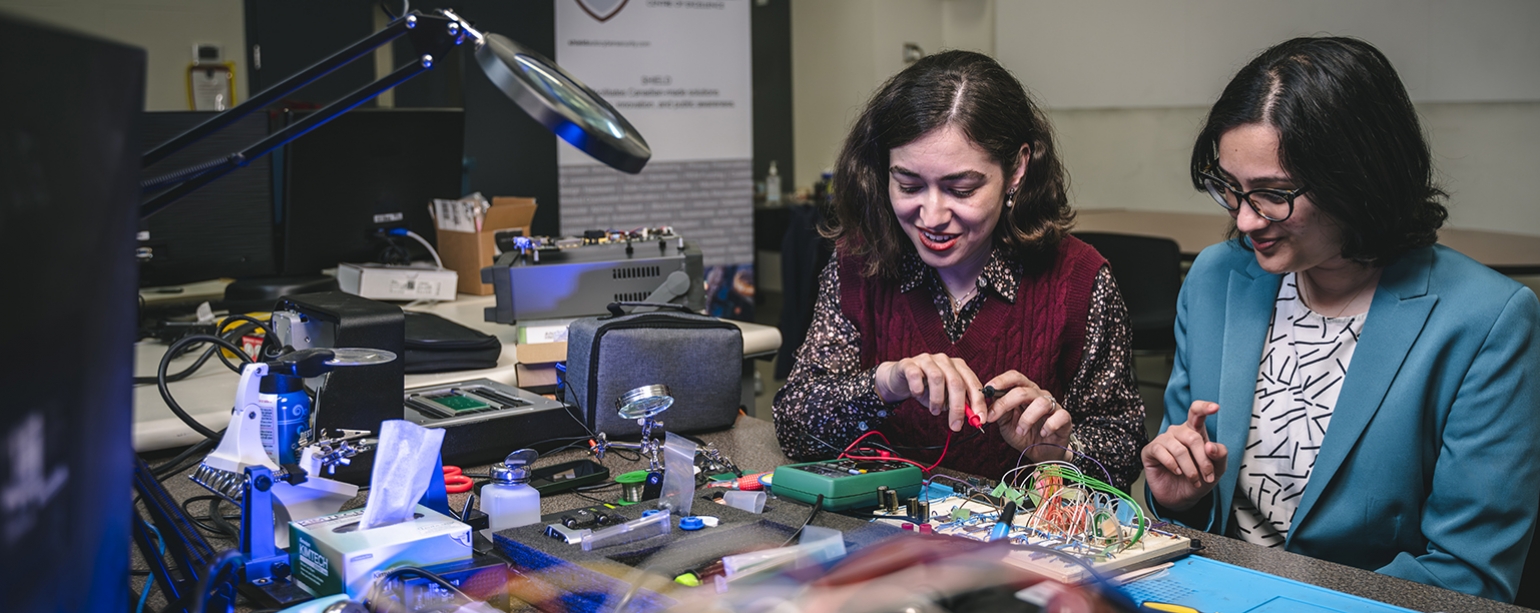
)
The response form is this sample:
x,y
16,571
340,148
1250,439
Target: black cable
x,y
165,392
231,558
621,453
170,467
265,327
219,521
817,506
230,335
589,498
233,335
178,376
198,520
376,601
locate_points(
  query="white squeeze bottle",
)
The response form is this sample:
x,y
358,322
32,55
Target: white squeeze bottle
x,y
509,500
773,186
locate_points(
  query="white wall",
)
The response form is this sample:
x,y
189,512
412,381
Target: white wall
x,y
842,50
1127,82
1138,53
166,29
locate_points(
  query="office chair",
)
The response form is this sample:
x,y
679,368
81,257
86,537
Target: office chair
x,y
1148,271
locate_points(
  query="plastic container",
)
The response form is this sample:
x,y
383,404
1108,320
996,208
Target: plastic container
x,y
678,475
509,500
753,502
657,524
817,546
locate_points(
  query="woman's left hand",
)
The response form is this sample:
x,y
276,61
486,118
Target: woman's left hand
x,y
1029,415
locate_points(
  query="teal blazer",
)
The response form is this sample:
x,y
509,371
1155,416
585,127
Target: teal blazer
x,y
1430,469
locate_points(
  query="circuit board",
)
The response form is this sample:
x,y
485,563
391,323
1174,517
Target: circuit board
x,y
1062,514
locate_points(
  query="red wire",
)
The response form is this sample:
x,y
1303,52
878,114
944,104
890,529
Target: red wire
x,y
945,447
894,458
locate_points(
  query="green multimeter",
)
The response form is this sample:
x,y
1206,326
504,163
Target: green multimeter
x,y
845,483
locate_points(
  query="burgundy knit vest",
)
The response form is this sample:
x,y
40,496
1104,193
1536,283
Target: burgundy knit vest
x,y
1041,335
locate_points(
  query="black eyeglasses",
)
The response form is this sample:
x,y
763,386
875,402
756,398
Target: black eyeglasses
x,y
1271,204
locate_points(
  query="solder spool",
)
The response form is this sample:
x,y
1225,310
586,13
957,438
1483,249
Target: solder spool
x,y
631,485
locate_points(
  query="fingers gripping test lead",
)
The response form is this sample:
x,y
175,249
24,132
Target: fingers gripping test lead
x,y
973,418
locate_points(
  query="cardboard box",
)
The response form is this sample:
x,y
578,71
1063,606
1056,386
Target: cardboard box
x,y
535,375
468,252
330,555
541,353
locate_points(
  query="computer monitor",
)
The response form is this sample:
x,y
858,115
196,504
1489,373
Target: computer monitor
x,y
69,204
225,228
361,173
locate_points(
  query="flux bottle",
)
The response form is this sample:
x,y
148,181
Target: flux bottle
x,y
509,500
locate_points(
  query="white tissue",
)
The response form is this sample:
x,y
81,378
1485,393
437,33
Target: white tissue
x,y
403,467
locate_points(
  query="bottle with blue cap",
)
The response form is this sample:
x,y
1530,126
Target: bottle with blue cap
x,y
509,500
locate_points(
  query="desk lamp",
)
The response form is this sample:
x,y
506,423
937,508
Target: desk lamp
x,y
545,91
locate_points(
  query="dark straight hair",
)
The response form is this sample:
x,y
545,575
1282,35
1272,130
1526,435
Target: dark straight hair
x,y
973,92
1347,131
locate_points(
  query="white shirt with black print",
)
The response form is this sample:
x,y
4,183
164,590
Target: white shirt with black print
x,y
1303,365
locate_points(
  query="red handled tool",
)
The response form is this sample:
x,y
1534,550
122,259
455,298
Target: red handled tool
x,y
455,482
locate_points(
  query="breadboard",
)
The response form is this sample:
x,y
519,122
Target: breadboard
x,y
1154,547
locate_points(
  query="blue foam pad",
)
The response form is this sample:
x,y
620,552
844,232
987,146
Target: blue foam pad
x,y
1209,585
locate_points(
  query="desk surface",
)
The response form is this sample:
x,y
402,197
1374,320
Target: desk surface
x,y
752,445
1514,254
208,394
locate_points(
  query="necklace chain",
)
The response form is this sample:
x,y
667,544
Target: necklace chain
x,y
1300,281
959,302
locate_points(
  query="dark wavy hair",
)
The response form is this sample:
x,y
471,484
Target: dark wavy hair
x,y
1348,132
994,111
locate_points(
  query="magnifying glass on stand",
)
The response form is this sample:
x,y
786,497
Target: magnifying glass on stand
x,y
642,404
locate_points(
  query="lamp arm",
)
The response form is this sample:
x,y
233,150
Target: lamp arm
x,y
283,88
432,35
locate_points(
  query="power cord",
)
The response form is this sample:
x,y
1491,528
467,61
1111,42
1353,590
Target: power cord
x,y
165,363
817,506
418,237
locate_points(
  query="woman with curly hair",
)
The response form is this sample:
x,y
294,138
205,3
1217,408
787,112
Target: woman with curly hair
x,y
1344,387
954,271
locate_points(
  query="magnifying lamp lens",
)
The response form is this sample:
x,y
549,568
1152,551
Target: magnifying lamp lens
x,y
569,94
562,103
355,356
645,401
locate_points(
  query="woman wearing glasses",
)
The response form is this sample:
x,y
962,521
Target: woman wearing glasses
x,y
954,271
1344,387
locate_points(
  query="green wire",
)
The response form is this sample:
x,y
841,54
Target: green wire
x,y
1098,485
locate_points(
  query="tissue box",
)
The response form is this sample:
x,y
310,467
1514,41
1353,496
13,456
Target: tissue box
x,y
469,252
330,555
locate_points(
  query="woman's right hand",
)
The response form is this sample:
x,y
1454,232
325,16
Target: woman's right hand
x,y
1181,465
940,383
